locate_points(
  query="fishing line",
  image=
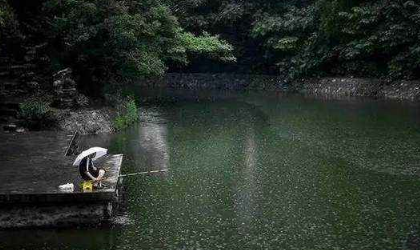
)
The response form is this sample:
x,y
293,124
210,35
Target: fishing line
x,y
144,173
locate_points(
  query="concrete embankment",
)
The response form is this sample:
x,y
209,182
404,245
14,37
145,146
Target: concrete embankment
x,y
338,87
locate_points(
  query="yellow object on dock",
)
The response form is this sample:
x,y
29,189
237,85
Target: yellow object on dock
x,y
87,186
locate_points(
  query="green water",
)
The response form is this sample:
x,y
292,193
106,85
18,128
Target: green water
x,y
260,171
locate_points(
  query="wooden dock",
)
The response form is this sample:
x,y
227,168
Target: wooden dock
x,y
32,166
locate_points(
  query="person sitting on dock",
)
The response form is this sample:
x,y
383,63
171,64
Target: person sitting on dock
x,y
90,172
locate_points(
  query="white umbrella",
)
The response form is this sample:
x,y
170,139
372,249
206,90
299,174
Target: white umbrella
x,y
99,152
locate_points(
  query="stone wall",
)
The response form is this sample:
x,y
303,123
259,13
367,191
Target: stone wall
x,y
321,87
349,87
408,90
215,81
339,87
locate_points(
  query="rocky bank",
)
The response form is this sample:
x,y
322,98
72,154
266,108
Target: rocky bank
x,y
69,110
94,121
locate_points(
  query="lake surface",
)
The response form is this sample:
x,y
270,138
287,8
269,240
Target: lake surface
x,y
259,171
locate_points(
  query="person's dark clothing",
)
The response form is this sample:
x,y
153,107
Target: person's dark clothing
x,y
84,168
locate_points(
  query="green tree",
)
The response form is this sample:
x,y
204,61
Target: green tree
x,y
339,37
131,38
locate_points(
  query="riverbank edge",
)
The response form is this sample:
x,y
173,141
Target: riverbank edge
x,y
328,87
96,116
101,118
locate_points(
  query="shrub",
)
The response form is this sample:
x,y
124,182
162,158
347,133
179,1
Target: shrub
x,y
127,114
36,114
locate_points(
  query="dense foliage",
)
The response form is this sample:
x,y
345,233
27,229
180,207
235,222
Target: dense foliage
x,y
114,39
105,39
379,38
131,38
139,37
369,38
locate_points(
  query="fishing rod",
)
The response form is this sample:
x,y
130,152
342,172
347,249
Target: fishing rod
x,y
144,173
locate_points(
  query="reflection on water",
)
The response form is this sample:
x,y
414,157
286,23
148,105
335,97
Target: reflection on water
x,y
145,145
152,139
246,188
259,171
